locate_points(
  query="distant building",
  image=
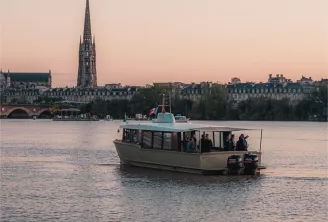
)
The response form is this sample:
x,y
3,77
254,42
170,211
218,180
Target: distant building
x,y
70,94
21,95
113,86
87,70
235,80
170,84
20,80
286,90
90,94
196,91
175,87
278,79
305,80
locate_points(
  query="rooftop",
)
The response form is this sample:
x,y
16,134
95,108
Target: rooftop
x,y
179,127
167,124
28,77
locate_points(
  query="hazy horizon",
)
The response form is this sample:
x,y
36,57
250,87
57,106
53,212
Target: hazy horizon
x,y
145,41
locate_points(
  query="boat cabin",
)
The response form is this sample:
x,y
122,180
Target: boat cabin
x,y
166,135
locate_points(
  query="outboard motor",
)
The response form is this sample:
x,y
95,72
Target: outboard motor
x,y
251,163
234,164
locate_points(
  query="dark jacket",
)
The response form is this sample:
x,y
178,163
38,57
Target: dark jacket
x,y
232,145
241,145
204,145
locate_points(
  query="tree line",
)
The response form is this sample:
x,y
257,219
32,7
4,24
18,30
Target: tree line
x,y
215,105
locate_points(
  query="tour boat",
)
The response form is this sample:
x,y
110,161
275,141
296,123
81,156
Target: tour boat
x,y
181,119
159,145
73,117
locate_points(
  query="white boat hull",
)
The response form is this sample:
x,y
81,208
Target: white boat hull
x,y
205,163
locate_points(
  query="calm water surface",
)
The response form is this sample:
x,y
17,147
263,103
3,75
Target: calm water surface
x,y
70,171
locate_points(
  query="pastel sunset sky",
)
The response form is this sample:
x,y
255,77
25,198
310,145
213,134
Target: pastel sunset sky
x,y
145,41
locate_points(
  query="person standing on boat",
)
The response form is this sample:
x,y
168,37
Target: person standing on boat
x,y
226,143
184,143
242,143
204,144
210,143
232,143
194,140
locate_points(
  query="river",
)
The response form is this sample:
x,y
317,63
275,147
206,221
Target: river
x,y
70,171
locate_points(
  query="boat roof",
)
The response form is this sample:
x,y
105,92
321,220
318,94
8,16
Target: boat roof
x,y
180,127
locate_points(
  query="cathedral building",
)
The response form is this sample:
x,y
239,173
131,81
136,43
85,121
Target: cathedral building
x,y
87,71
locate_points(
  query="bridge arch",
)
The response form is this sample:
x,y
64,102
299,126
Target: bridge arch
x,y
28,112
42,111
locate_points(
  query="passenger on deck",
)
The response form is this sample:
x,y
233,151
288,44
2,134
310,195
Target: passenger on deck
x,y
210,143
194,140
190,146
232,143
184,143
204,144
242,143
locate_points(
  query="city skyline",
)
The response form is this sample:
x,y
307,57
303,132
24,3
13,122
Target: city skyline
x,y
138,43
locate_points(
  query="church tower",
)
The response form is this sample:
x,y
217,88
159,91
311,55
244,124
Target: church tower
x,y
87,71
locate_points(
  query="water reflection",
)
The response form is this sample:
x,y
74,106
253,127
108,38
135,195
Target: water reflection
x,y
151,175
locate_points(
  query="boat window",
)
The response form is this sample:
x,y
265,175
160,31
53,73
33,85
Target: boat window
x,y
158,136
136,137
133,136
167,141
147,139
127,135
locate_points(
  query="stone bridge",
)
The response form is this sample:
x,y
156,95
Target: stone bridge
x,y
28,110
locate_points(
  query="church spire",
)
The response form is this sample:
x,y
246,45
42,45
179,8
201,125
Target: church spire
x,y
87,24
87,71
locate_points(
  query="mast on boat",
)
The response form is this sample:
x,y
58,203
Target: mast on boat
x,y
163,104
